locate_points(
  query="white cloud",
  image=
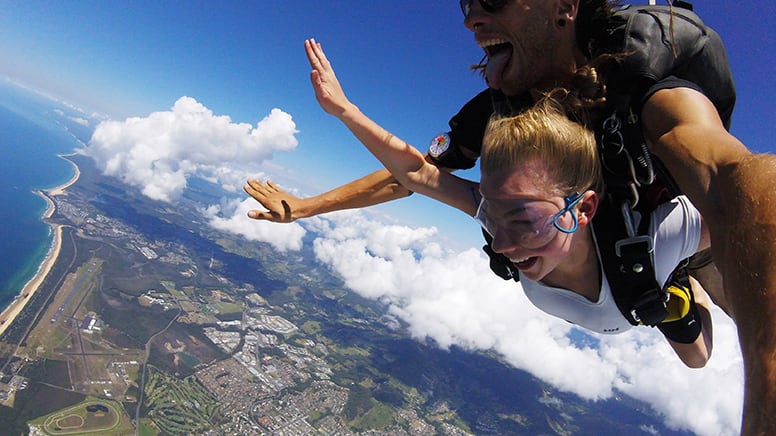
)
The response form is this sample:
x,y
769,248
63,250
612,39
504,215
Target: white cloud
x,y
233,217
160,152
78,120
453,298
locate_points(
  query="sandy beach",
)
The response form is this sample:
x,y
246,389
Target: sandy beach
x,y
15,307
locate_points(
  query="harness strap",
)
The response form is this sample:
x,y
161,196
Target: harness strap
x,y
626,256
499,264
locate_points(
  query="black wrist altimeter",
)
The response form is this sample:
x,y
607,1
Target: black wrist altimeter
x,y
444,152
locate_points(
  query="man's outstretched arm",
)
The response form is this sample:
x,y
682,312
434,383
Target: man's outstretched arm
x,y
282,207
735,191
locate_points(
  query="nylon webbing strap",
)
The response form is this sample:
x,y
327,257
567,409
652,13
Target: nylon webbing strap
x,y
627,263
499,263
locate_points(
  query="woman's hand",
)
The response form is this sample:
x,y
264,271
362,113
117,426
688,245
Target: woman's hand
x,y
327,88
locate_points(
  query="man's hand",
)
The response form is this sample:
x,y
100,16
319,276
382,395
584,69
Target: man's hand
x,y
280,204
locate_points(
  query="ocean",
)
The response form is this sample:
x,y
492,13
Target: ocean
x,y
33,131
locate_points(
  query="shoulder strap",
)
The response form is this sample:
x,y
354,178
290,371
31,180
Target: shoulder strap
x,y
626,256
657,42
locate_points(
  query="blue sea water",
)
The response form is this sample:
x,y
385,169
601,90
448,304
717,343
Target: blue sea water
x,y
33,132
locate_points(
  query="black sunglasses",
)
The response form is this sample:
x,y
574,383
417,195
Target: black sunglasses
x,y
488,5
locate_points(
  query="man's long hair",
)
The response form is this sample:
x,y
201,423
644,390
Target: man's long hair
x,y
591,25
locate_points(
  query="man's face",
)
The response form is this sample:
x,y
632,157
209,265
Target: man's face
x,y
520,42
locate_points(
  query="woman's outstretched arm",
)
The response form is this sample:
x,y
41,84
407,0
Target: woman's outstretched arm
x,y
405,162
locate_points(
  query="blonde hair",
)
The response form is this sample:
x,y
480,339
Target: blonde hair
x,y
544,132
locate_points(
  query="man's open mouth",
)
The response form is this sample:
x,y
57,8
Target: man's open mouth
x,y
499,54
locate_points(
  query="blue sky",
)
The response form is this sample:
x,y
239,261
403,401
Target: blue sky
x,y
406,65
403,62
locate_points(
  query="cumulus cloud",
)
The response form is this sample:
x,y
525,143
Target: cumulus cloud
x,y
160,152
232,217
453,298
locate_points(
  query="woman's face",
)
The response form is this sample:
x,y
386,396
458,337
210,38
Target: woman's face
x,y
518,204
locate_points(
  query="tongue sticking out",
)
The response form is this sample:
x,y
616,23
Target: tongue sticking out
x,y
494,71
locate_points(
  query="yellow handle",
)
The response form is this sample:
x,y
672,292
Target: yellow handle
x,y
678,302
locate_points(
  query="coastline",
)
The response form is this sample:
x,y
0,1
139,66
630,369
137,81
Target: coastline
x,y
15,307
